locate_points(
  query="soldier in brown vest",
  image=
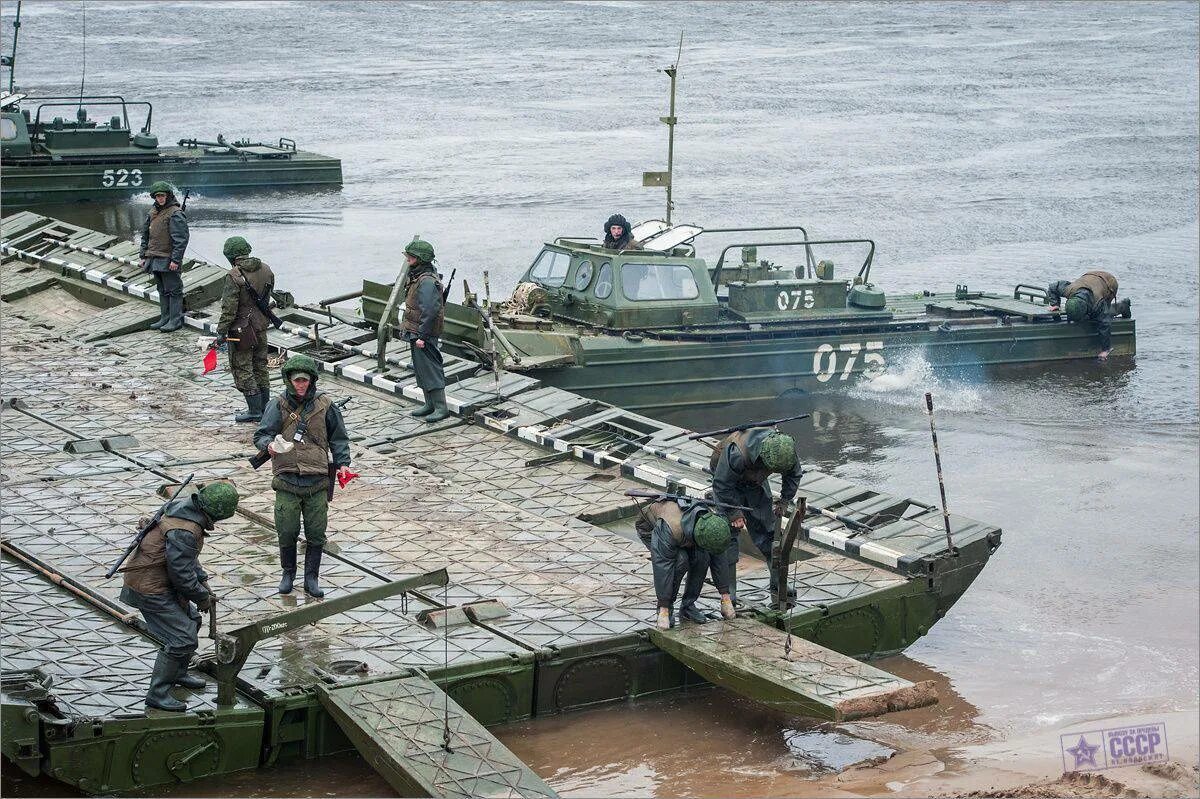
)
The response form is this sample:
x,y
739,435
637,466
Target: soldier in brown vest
x,y
164,241
1090,298
242,319
311,428
424,314
163,579
682,536
741,465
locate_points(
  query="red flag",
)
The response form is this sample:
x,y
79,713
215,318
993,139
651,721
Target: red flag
x,y
210,361
345,477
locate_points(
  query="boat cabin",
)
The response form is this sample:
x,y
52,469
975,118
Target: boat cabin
x,y
43,132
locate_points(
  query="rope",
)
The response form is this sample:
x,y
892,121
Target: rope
x,y
446,665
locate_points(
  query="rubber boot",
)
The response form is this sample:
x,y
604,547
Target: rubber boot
x,y
312,570
287,559
162,308
692,613
440,411
161,679
254,409
185,680
264,396
425,409
174,314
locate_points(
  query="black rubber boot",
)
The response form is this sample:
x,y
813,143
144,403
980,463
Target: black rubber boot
x,y
425,409
254,409
440,411
161,679
264,396
185,680
312,570
162,309
287,559
671,616
691,613
174,314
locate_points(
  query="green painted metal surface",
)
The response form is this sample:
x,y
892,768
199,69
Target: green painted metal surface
x,y
424,744
789,673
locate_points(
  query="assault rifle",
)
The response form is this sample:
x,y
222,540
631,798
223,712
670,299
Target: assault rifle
x,y
659,496
146,528
449,283
747,426
264,455
263,304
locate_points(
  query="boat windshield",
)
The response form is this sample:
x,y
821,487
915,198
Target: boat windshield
x,y
550,269
658,282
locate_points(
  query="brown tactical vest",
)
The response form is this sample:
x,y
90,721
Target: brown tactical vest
x,y
1102,285
310,455
247,312
147,569
158,244
412,312
670,513
753,474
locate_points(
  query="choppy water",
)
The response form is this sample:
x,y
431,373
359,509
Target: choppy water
x,y
975,143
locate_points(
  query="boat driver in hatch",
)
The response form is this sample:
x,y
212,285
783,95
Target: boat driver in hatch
x,y
618,236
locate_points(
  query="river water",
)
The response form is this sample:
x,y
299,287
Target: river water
x,y
975,143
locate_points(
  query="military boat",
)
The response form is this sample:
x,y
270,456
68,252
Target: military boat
x,y
47,157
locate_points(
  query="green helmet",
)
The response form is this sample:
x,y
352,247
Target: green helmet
x,y
778,453
300,363
421,250
236,247
161,185
712,533
1076,309
218,500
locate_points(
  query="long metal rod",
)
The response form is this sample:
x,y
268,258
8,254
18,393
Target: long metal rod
x,y
69,583
937,458
674,73
12,61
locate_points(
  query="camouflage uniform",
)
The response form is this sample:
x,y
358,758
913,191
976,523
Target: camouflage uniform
x,y
301,476
1096,290
740,478
164,241
242,319
424,316
668,528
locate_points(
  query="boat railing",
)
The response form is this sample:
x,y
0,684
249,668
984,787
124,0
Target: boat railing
x,y
93,100
808,256
1032,292
864,271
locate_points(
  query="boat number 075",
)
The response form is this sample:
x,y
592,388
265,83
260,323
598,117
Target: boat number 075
x,y
121,177
827,360
795,299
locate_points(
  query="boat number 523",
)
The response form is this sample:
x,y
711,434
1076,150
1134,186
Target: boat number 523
x,y
121,177
828,361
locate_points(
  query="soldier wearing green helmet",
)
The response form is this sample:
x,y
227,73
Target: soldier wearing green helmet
x,y
681,537
241,319
164,580
741,466
1090,298
164,242
304,433
424,314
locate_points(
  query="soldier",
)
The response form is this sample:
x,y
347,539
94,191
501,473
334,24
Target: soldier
x,y
681,536
617,235
164,577
741,464
164,241
424,314
241,319
312,429
1090,298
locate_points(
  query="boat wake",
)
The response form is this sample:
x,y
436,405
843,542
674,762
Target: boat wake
x,y
907,379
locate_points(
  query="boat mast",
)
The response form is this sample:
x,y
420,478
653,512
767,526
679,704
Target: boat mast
x,y
12,59
667,178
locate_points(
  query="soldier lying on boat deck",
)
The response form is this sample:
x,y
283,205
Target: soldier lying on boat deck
x,y
618,236
1090,298
740,465
242,319
164,578
681,537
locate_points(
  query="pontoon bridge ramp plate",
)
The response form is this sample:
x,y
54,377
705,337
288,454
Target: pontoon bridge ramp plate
x,y
397,725
748,657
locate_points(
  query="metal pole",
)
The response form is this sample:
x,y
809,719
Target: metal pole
x,y
12,62
487,298
937,458
673,72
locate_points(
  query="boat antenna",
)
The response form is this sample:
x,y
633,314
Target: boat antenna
x,y
12,59
667,178
83,71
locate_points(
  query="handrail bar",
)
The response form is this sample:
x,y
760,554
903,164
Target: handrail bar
x,y
864,271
